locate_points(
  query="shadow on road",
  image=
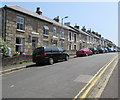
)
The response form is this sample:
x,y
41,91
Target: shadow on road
x,y
36,65
43,64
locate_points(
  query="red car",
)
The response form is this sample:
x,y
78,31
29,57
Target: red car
x,y
84,52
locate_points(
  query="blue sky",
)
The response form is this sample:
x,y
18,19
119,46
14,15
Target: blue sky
x,y
101,17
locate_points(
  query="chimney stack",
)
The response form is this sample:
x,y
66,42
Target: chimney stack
x,y
67,23
38,11
56,19
76,26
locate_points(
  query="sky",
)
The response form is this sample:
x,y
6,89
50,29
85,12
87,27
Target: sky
x,y
102,17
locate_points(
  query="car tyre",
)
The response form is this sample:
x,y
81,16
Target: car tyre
x,y
51,61
86,54
66,58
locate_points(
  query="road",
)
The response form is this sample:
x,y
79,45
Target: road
x,y
60,80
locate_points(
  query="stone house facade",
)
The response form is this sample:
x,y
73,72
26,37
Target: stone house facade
x,y
24,30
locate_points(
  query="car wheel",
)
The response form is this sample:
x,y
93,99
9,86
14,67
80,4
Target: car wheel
x,y
86,54
66,58
51,61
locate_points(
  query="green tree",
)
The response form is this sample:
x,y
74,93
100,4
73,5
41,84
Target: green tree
x,y
3,47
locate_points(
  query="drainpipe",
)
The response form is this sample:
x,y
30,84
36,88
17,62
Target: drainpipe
x,y
4,23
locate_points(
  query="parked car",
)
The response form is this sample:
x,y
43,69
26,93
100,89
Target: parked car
x,y
114,50
84,52
118,50
109,49
101,50
49,54
94,50
106,50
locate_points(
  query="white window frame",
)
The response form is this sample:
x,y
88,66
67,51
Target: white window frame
x,y
62,44
46,30
62,33
55,32
21,44
75,37
70,46
70,36
80,36
20,23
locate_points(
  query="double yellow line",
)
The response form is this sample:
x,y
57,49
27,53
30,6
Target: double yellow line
x,y
93,80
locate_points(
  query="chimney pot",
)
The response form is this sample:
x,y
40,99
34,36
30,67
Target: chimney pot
x,y
38,11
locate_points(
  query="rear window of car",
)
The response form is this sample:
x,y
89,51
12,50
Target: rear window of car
x,y
82,49
105,48
91,48
60,49
55,49
51,49
95,48
100,49
38,51
87,49
48,49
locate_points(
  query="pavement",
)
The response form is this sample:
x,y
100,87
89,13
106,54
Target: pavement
x,y
111,90
20,66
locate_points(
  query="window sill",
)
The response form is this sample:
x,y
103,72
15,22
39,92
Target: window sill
x,y
35,33
45,35
62,38
88,42
20,30
55,37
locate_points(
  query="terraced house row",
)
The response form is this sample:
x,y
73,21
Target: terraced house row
x,y
24,30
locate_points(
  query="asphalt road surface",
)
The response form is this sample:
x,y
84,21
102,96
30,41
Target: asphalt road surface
x,y
60,80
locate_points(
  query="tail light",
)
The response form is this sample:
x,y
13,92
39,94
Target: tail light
x,y
44,54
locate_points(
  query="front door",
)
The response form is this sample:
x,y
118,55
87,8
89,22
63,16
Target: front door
x,y
34,43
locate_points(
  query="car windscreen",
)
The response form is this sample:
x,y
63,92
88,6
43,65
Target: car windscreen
x,y
38,51
60,49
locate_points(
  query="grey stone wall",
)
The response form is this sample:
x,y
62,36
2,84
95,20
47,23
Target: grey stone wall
x,y
32,24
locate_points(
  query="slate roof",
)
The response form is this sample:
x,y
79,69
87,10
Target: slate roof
x,y
34,14
79,30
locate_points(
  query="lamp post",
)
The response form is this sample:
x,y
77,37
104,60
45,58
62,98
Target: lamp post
x,y
62,33
64,18
62,23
